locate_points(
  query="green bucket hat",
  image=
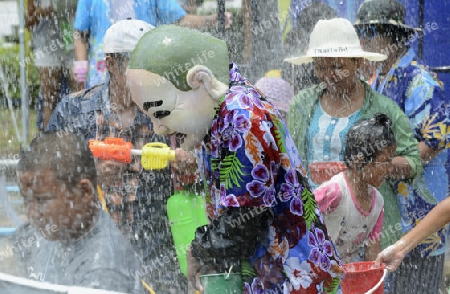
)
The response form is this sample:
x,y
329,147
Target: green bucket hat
x,y
384,12
170,51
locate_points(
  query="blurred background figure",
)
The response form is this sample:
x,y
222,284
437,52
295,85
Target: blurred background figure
x,y
50,23
94,17
276,90
345,9
190,5
296,43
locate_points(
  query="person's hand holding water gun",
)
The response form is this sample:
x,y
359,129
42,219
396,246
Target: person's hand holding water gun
x,y
184,168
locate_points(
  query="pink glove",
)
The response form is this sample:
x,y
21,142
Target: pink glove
x,y
80,70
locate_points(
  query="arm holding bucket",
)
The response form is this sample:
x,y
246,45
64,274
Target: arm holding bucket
x,y
393,255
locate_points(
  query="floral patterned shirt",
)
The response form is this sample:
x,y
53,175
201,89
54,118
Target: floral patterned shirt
x,y
419,94
251,161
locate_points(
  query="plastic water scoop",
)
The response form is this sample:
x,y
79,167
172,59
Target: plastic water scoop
x,y
154,155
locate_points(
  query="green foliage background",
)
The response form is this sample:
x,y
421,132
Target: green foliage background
x,y
10,62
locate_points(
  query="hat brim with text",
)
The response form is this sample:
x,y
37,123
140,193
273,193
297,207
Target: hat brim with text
x,y
335,38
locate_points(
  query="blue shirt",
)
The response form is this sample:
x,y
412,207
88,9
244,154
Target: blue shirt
x,y
94,16
326,137
419,94
102,259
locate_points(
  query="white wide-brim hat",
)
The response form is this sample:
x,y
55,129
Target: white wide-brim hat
x,y
335,38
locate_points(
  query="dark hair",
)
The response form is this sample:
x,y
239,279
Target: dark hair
x,y
120,58
397,34
296,42
65,154
367,138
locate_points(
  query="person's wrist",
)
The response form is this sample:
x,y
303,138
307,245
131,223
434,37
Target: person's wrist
x,y
401,247
80,70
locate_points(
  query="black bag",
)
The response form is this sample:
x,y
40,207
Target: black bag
x,y
231,237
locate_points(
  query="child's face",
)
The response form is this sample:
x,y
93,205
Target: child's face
x,y
376,172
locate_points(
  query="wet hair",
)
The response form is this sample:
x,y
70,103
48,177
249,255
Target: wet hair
x,y
65,154
307,19
120,58
367,138
397,34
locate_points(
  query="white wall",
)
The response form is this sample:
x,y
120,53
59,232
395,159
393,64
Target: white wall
x,y
9,16
211,5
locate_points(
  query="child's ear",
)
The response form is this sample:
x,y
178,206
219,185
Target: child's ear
x,y
88,191
357,162
200,75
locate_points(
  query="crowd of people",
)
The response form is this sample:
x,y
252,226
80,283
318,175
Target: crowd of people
x,y
351,95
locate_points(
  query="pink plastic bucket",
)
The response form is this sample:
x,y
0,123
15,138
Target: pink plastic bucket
x,y
363,277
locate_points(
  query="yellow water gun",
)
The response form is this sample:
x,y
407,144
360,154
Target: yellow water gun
x,y
154,155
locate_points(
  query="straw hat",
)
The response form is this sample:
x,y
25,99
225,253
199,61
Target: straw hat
x,y
335,38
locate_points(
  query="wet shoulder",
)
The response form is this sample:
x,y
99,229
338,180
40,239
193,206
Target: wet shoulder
x,y
380,103
85,100
86,93
310,94
105,249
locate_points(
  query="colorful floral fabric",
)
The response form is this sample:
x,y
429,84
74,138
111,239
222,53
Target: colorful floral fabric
x,y
251,161
419,94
